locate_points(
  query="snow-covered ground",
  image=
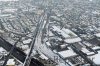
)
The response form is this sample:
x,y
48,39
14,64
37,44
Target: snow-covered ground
x,y
42,48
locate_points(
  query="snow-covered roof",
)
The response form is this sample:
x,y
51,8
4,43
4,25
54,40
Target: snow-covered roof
x,y
50,33
87,43
72,40
98,34
64,34
69,63
56,18
67,31
1,50
60,31
26,51
27,41
98,51
63,46
5,15
24,47
48,43
43,57
9,10
56,28
96,12
96,47
70,37
11,62
67,53
95,58
87,51
1,31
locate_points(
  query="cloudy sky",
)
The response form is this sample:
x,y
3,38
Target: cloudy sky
x,y
8,0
